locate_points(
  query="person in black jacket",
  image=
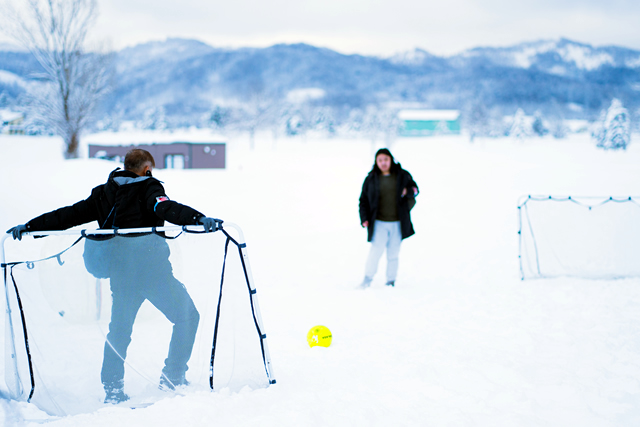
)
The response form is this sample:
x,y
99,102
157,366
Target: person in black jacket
x,y
388,194
139,267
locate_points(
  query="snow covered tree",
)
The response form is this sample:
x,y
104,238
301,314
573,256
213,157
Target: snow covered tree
x,y
372,125
294,124
476,120
635,122
390,125
324,120
496,125
538,126
615,132
111,121
55,32
558,128
519,126
355,122
4,100
219,118
597,129
154,118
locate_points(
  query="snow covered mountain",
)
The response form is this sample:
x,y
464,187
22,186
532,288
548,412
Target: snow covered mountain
x,y
557,56
187,78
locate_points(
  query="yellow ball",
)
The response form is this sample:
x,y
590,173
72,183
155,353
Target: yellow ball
x,y
319,335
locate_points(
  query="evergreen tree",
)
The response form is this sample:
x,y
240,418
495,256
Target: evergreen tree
x,y
218,118
520,128
538,126
616,128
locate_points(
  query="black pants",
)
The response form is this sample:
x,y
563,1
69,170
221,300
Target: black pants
x,y
141,271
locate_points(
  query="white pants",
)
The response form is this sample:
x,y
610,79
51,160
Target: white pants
x,y
386,234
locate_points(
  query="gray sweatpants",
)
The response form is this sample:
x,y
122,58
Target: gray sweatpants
x,y
386,235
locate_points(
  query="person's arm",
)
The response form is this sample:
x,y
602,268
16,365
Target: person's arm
x,y
411,188
364,204
66,217
169,210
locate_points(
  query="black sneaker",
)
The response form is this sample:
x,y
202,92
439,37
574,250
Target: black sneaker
x,y
171,384
115,394
391,283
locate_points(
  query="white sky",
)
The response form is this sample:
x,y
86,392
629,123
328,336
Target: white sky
x,y
372,27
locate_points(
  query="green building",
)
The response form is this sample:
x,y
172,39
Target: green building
x,y
429,122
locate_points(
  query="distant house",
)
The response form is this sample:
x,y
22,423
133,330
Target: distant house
x,y
429,122
171,155
11,123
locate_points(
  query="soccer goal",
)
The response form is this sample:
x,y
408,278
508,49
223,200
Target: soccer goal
x,y
168,296
585,237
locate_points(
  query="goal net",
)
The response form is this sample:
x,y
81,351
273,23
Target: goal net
x,y
586,237
173,299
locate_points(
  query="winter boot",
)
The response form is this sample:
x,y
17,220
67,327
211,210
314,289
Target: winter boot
x,y
167,383
391,283
366,282
114,393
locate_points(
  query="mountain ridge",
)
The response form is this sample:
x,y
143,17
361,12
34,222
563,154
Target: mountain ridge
x,y
186,78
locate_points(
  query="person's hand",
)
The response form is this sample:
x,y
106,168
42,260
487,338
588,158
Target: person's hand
x,y
17,231
210,224
415,191
365,224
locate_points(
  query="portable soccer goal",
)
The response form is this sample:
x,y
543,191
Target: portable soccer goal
x,y
189,296
585,237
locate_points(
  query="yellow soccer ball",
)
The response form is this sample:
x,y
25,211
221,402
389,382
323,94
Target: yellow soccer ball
x,y
319,335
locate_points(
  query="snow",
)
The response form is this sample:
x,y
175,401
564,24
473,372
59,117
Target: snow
x,y
9,78
412,57
584,57
460,341
143,136
523,58
7,116
11,47
299,96
428,114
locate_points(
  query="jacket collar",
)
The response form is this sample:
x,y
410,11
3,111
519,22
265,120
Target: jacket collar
x,y
124,177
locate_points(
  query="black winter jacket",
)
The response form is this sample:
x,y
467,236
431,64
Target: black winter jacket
x,y
125,201
370,196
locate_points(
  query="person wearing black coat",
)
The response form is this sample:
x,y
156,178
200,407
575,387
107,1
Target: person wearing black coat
x,y
138,267
387,197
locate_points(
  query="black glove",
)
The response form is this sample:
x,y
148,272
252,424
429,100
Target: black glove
x,y
210,224
17,231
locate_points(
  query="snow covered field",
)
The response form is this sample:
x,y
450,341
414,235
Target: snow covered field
x,y
460,341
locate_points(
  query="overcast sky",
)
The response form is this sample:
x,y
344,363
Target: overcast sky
x,y
375,27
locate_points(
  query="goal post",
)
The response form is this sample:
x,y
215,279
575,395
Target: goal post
x,y
584,237
59,316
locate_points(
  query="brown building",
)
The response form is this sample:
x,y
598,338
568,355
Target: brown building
x,y
173,155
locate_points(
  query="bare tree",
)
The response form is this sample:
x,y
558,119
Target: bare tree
x,y
75,80
258,109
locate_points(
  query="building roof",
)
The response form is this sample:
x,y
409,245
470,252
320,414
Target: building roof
x,y
428,114
136,137
9,116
